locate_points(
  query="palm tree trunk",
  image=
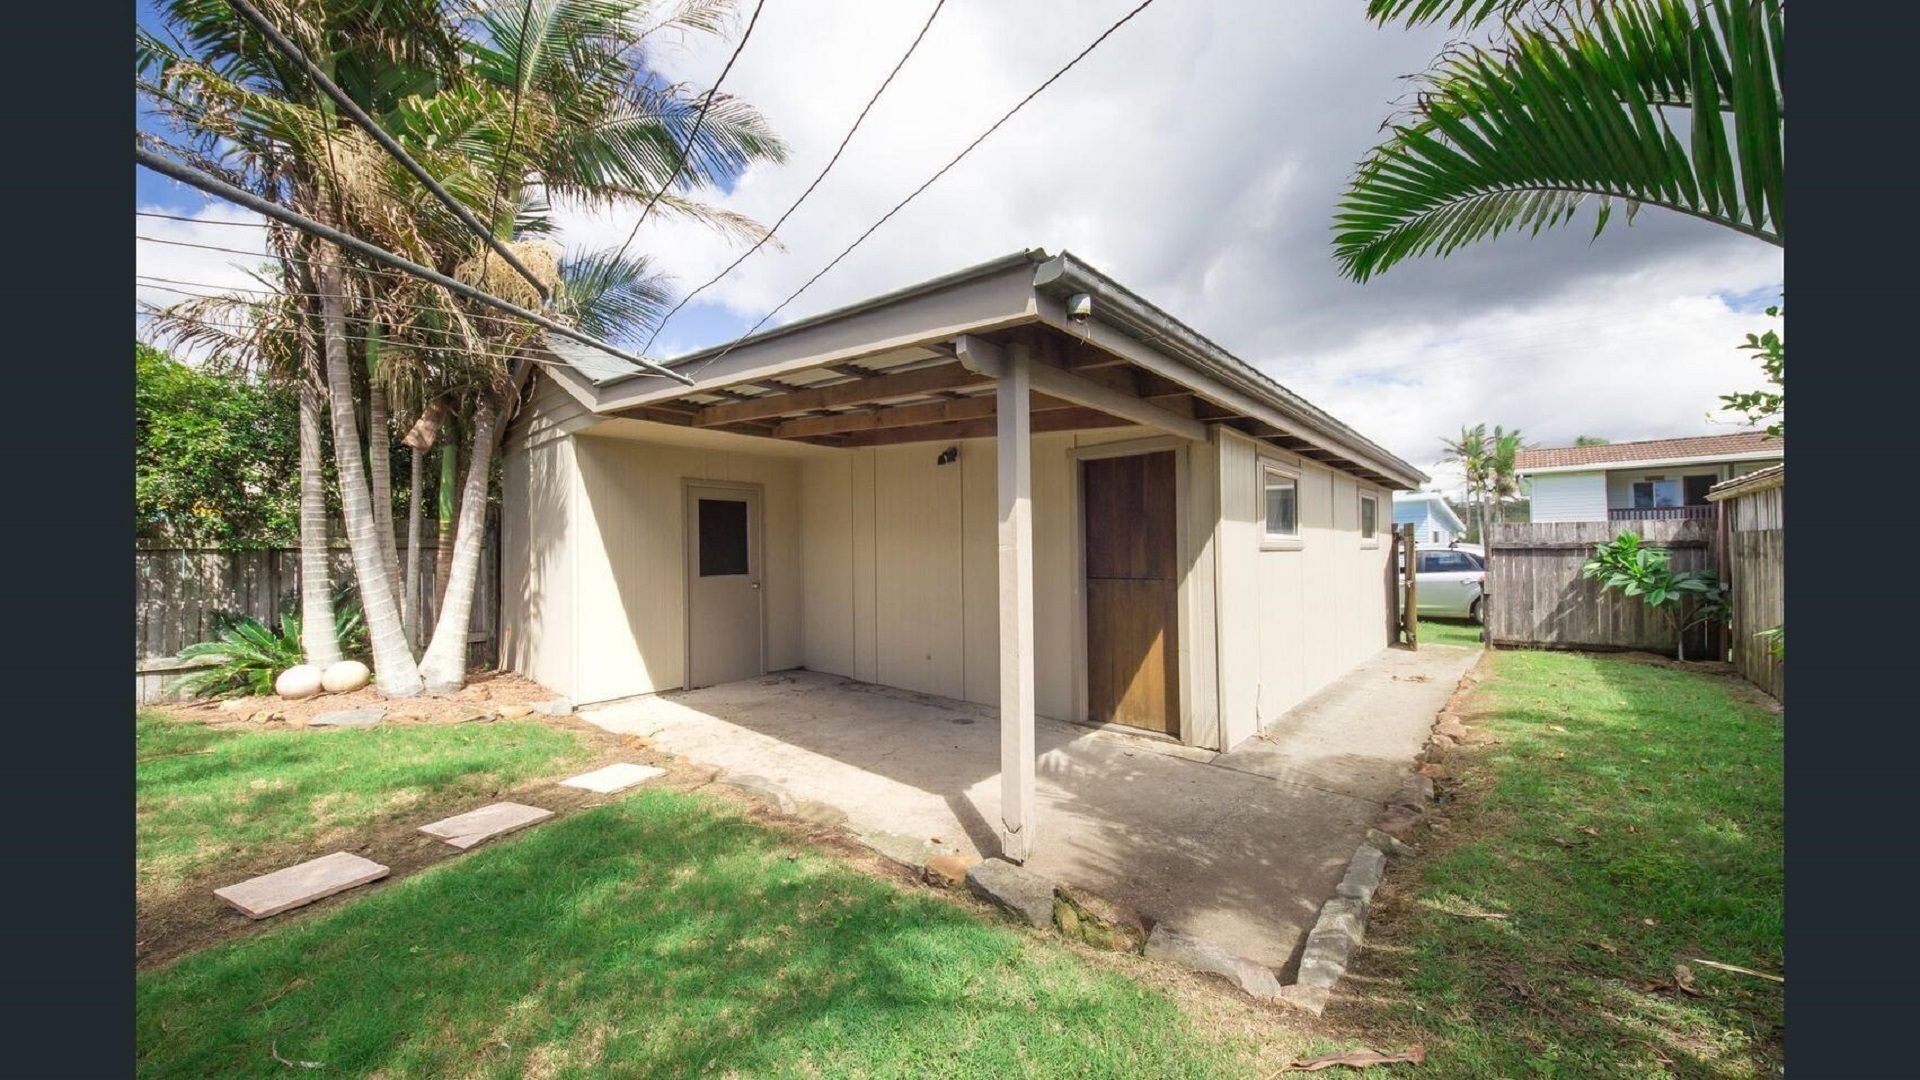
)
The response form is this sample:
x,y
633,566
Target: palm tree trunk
x,y
380,471
395,672
416,486
448,504
316,586
445,664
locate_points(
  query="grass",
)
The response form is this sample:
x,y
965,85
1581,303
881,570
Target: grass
x,y
1449,632
206,795
1628,819
659,935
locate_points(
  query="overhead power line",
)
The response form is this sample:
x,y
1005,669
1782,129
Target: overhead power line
x,y
693,136
215,186
352,108
942,171
758,244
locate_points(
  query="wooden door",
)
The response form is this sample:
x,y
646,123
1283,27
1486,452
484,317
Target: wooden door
x,y
1130,525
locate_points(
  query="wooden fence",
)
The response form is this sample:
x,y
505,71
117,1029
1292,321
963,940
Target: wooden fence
x,y
1536,596
1754,538
179,591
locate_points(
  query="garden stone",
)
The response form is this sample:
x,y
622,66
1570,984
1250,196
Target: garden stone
x,y
267,716
237,705
1172,946
1415,791
349,718
1014,889
298,681
316,879
1398,821
1388,844
513,712
614,778
1102,924
478,826
1452,729
1363,875
1339,930
556,707
345,676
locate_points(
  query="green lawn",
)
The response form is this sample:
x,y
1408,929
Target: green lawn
x,y
660,935
1628,820
204,795
1450,632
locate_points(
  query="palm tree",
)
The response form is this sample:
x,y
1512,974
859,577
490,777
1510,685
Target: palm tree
x,y
1472,453
1503,477
1678,104
560,105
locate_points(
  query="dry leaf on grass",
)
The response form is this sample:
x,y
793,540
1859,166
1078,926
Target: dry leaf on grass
x,y
1682,982
1357,1059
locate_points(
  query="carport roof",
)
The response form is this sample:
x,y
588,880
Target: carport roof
x,y
1128,345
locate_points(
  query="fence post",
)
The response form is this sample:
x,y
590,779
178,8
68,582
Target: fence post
x,y
1411,616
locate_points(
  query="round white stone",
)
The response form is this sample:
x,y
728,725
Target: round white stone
x,y
344,676
298,681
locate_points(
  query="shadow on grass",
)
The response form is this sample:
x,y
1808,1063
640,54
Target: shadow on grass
x,y
1628,820
660,935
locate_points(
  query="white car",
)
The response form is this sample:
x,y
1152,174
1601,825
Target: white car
x,y
1452,581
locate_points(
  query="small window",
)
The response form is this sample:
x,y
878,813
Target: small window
x,y
723,537
1282,504
1369,517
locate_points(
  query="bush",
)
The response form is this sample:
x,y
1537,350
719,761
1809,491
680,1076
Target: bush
x,y
1637,570
252,655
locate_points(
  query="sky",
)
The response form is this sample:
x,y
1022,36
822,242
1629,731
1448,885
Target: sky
x,y
1196,157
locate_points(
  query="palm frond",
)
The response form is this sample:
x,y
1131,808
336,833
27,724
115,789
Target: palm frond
x,y
1521,136
610,295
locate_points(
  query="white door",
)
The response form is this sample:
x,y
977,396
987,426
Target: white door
x,y
724,599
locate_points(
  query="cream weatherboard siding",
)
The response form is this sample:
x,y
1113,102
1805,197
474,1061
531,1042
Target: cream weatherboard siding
x,y
1570,496
1292,619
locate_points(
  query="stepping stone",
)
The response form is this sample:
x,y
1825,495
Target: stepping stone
x,y
478,826
348,718
613,778
271,894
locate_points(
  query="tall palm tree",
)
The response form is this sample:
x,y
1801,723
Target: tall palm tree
x,y
1472,453
1678,104
1503,477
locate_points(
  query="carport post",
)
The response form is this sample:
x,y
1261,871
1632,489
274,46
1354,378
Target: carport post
x,y
1013,443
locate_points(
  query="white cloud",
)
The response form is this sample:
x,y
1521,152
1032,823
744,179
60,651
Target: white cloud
x,y
168,273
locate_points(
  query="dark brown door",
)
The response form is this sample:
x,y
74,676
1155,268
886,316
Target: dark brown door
x,y
1133,573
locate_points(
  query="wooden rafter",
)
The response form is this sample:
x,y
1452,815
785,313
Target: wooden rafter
x,y
894,416
1073,418
841,395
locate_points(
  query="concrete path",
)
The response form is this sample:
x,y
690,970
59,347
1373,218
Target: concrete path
x,y
1239,848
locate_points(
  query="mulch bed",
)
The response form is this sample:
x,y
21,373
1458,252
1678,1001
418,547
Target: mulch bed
x,y
484,693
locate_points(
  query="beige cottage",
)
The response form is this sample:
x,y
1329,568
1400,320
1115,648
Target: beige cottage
x,y
1019,485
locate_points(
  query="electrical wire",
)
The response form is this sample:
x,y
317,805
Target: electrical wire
x,y
929,182
693,136
782,220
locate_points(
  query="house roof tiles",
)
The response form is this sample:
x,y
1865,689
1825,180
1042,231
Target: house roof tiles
x,y
1755,443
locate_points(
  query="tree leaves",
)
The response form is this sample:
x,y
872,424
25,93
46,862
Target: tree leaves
x,y
1570,107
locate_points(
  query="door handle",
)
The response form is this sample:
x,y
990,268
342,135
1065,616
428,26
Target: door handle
x,y
756,584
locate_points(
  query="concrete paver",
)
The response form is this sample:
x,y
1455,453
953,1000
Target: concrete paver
x,y
478,826
315,879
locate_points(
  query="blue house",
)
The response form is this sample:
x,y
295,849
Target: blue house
x,y
1433,521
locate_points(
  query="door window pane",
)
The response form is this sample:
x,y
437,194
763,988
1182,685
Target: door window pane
x,y
723,537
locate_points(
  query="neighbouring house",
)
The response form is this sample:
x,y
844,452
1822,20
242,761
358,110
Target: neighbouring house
x,y
1020,485
1433,521
1637,481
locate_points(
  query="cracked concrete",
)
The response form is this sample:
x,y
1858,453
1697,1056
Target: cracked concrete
x,y
1240,849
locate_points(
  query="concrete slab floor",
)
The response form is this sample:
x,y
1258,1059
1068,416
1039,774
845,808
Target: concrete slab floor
x,y
1239,848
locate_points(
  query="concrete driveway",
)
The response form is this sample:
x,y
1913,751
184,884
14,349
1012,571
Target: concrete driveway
x,y
1240,848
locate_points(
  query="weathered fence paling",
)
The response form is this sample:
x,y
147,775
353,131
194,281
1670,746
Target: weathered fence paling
x,y
178,592
1756,539
1538,598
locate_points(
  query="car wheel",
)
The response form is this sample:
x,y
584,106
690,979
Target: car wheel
x,y
1477,612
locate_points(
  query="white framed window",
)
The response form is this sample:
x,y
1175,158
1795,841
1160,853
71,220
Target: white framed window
x,y
1369,520
1279,507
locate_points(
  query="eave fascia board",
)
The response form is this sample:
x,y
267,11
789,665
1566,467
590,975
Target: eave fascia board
x,y
991,296
1129,326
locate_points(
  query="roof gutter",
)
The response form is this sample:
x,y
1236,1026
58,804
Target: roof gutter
x,y
1064,275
